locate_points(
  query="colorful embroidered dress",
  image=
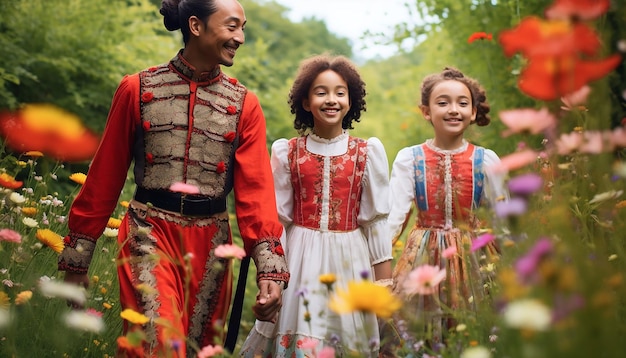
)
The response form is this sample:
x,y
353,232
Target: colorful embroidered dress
x,y
332,197
446,187
179,127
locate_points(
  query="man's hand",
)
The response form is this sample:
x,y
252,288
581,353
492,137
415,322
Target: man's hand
x,y
79,279
268,301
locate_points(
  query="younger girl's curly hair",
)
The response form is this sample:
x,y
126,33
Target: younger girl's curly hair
x,y
308,71
479,97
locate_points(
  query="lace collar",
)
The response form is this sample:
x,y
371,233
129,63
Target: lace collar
x,y
339,138
430,144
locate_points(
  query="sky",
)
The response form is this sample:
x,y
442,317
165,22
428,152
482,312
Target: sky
x,y
352,18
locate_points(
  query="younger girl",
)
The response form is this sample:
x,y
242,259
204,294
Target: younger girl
x,y
446,179
332,196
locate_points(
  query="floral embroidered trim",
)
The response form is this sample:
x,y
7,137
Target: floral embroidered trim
x,y
77,254
269,258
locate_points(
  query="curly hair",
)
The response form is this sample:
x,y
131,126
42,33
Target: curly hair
x,y
479,97
308,71
177,12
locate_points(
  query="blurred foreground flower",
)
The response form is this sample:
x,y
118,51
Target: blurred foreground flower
x,y
476,352
184,188
133,316
88,321
51,239
9,235
23,297
50,130
229,251
529,314
210,351
72,292
423,280
365,296
9,182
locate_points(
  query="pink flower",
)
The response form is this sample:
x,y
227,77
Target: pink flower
x,y
526,265
309,343
594,142
210,351
575,98
228,251
481,241
326,352
569,142
580,9
527,120
449,252
184,188
10,236
512,207
515,161
423,280
525,184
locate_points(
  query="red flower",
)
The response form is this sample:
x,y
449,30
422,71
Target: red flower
x,y
150,158
220,168
479,36
9,182
231,109
577,9
146,126
550,78
50,130
67,240
147,97
536,37
229,136
233,80
279,250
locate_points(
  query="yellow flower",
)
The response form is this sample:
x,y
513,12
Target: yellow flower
x,y
365,296
328,278
23,297
78,178
51,239
114,223
107,305
29,211
124,203
620,205
133,316
21,163
4,300
33,153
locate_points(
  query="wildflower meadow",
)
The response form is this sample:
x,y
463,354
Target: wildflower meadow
x,y
556,289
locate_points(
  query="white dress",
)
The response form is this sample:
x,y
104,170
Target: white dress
x,y
348,253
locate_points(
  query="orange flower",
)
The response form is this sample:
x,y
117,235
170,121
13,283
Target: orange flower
x,y
29,211
479,36
553,49
9,182
51,239
34,153
48,129
78,178
114,223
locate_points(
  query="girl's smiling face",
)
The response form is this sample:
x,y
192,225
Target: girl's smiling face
x,y
328,101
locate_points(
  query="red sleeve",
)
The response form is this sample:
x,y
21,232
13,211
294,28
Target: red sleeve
x,y
99,195
255,201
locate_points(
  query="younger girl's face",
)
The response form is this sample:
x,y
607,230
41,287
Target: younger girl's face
x,y
328,101
450,109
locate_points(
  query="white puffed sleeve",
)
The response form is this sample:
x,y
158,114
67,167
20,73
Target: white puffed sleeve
x,y
495,189
375,203
402,191
282,181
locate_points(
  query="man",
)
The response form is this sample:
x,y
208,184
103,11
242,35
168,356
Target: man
x,y
183,122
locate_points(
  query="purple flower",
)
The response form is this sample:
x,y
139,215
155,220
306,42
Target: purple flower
x,y
481,241
525,184
513,207
365,274
527,264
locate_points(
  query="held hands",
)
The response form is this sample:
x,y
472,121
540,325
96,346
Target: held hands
x,y
268,301
79,279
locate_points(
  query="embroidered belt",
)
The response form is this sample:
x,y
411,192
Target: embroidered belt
x,y
184,204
